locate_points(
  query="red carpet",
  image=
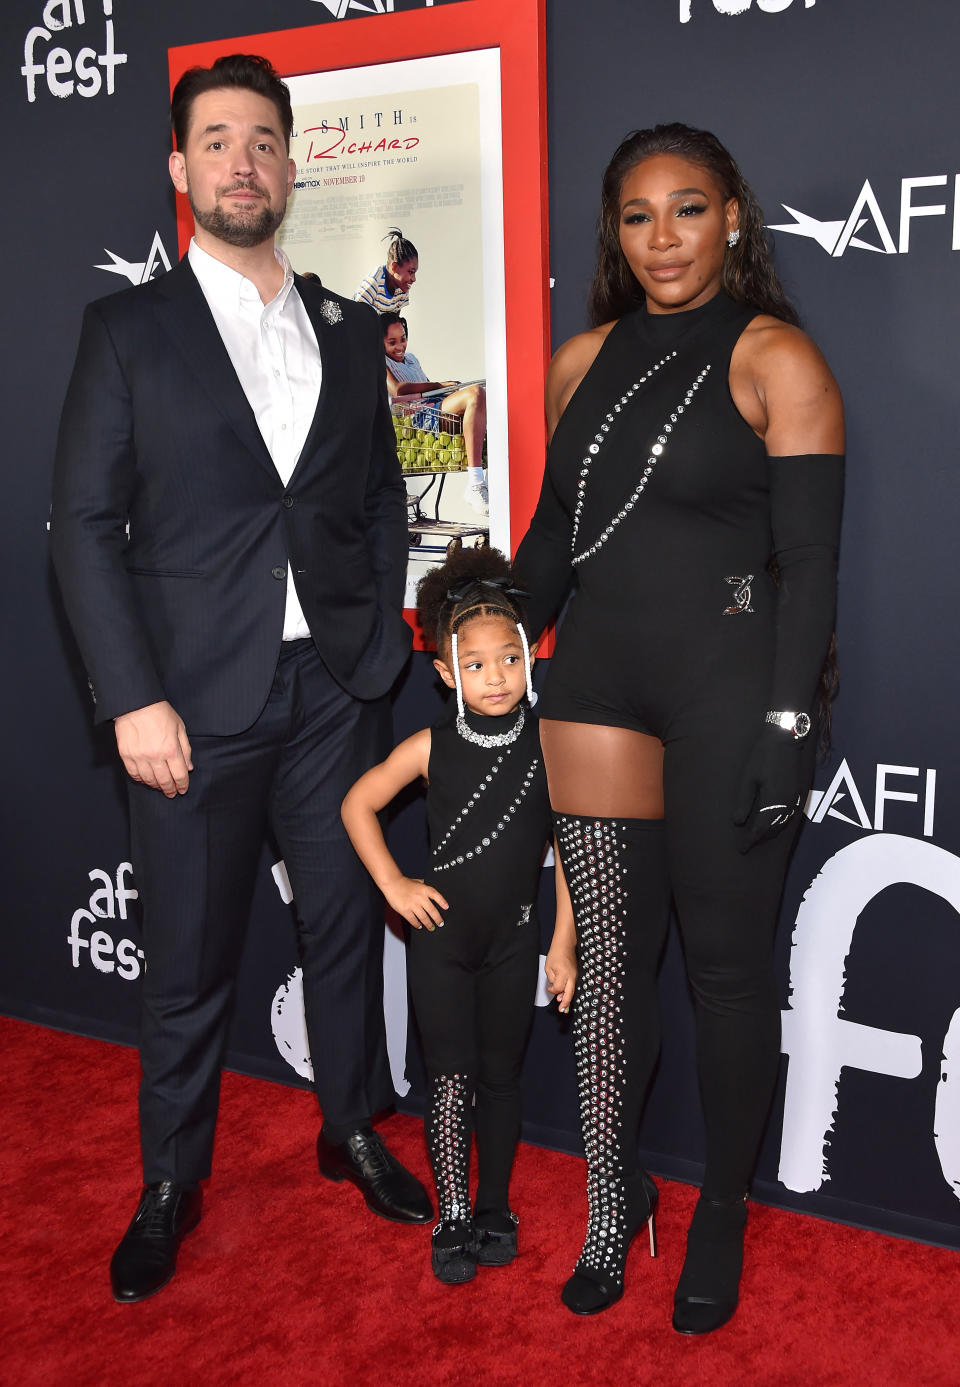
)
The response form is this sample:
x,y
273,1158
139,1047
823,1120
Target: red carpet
x,y
289,1281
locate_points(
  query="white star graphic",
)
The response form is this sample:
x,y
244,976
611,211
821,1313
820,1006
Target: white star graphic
x,y
826,234
138,271
132,269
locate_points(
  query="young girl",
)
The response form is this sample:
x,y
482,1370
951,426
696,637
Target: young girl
x,y
406,379
387,290
473,953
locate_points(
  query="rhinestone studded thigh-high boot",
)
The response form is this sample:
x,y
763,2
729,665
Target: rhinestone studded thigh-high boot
x,y
449,1131
617,876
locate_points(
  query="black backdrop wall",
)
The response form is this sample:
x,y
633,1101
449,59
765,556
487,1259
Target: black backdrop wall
x,y
843,115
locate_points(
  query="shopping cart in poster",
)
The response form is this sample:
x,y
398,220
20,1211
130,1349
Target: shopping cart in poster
x,y
430,444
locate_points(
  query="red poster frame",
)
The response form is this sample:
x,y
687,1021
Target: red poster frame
x,y
517,29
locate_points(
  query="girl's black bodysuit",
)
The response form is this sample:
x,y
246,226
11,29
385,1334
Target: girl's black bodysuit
x,y
473,981
656,497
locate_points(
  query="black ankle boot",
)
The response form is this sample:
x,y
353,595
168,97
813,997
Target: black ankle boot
x,y
708,1290
597,1281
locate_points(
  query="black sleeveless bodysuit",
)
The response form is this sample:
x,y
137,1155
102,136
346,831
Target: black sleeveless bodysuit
x,y
656,499
488,817
473,981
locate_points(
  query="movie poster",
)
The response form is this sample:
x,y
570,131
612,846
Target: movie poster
x,y
416,145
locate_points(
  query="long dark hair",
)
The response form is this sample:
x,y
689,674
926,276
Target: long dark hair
x,y
748,273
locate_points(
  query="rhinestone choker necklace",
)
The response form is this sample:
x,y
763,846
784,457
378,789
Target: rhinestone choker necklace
x,y
492,738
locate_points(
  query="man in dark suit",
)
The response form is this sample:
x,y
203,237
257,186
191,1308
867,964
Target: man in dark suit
x,y
229,534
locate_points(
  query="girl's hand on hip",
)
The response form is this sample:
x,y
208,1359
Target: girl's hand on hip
x,y
418,903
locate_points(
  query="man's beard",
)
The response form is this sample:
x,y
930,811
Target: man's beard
x,y
242,229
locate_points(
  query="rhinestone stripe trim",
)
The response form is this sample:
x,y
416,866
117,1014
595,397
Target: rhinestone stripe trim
x,y
501,825
471,802
656,453
598,440
448,1138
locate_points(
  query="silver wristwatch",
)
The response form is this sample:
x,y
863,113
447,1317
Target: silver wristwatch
x,y
796,723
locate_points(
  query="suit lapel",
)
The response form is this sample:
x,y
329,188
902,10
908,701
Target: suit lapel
x,y
183,311
333,340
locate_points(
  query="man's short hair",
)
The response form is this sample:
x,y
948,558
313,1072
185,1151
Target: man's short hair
x,y
246,70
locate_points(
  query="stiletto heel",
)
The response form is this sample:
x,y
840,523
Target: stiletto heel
x,y
591,1289
709,1288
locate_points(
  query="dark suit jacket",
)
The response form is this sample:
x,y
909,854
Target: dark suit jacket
x,y
172,531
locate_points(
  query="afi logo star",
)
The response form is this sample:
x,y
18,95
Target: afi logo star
x,y
139,271
837,236
341,8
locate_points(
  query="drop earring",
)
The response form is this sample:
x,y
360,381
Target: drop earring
x,y
733,238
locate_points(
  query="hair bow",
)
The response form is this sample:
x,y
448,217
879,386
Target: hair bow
x,y
504,585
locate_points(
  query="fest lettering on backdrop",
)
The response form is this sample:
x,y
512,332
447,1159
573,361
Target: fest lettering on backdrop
x,y
688,8
64,70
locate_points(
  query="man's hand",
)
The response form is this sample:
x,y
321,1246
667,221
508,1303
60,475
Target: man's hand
x,y
154,748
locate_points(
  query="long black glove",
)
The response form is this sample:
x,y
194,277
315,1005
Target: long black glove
x,y
543,560
806,500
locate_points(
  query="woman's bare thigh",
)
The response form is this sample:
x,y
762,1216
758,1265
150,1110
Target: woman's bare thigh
x,y
610,772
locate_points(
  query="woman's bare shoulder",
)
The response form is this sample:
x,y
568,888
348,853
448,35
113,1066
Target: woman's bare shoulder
x,y
570,364
768,341
785,390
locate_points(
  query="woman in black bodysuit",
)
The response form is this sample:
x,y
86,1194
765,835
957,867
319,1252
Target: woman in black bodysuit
x,y
699,435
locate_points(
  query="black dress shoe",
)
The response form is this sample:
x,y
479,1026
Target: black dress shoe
x,y
387,1187
146,1257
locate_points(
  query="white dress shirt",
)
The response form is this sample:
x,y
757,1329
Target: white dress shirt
x,y
274,352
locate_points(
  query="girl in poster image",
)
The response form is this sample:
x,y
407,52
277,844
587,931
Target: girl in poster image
x,y
387,290
693,486
406,379
474,948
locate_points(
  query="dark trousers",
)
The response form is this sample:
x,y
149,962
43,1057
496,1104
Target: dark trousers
x,y
195,859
